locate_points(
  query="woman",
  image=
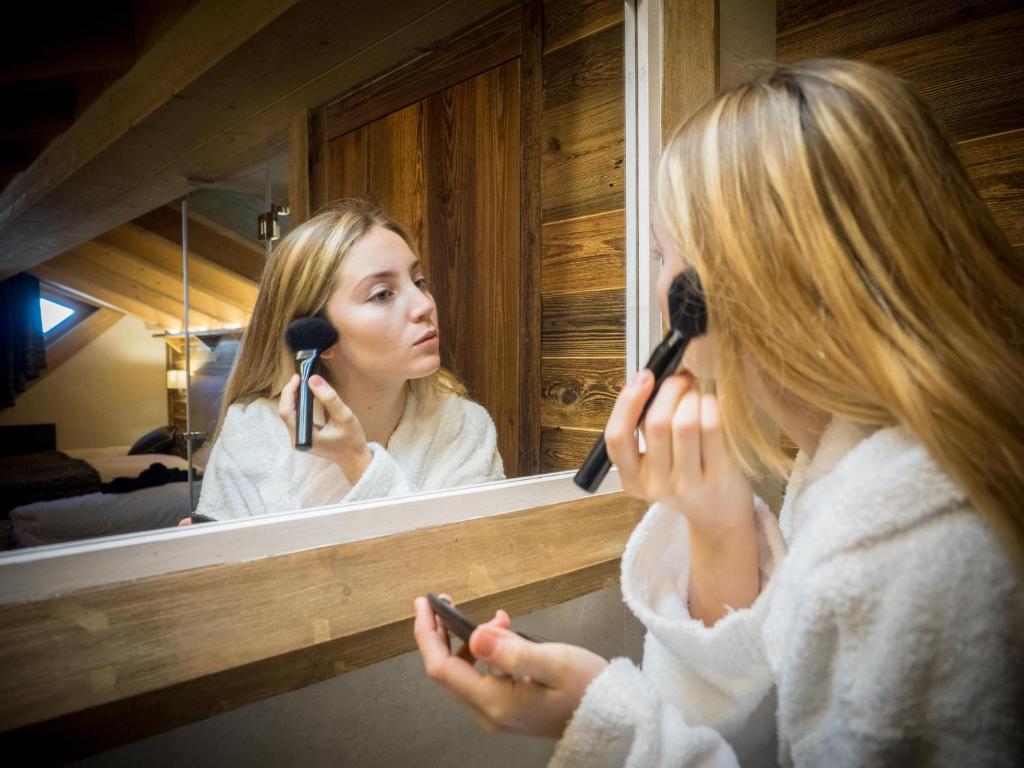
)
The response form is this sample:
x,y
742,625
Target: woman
x,y
394,422
859,295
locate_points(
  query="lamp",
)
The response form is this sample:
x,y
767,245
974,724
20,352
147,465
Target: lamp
x,y
176,378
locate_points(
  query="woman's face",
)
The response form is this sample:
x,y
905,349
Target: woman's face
x,y
701,356
384,313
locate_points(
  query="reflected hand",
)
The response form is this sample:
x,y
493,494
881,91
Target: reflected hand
x,y
687,465
541,687
341,439
186,521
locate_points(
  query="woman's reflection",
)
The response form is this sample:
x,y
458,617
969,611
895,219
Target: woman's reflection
x,y
392,420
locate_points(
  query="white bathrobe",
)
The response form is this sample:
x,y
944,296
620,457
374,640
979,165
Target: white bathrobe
x,y
254,468
889,634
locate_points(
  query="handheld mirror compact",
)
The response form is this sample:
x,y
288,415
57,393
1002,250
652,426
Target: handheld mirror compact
x,y
689,318
307,337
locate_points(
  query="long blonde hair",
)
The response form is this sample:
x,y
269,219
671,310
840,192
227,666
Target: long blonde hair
x,y
848,258
297,281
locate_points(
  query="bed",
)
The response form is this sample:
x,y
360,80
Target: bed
x,y
77,516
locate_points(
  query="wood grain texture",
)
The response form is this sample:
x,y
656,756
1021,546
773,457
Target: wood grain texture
x,y
963,57
448,168
206,239
583,126
298,168
531,104
585,253
996,165
689,59
78,276
166,282
488,44
584,324
566,21
565,448
138,654
97,293
580,392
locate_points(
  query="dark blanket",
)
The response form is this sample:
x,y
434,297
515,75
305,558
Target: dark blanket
x,y
157,474
44,476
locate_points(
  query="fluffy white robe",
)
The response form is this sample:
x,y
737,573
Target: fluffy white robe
x,y
890,633
254,468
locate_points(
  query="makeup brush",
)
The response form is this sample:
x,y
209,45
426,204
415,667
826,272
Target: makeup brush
x,y
307,337
689,319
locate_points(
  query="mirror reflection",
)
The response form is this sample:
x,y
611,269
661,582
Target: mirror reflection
x,y
389,419
477,289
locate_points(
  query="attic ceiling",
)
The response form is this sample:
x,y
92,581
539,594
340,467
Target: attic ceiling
x,y
212,85
136,268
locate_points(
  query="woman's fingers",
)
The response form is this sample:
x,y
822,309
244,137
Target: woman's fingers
x,y
286,403
502,648
335,408
686,440
620,432
658,430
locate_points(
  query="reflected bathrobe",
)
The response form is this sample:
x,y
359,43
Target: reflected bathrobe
x,y
889,633
254,469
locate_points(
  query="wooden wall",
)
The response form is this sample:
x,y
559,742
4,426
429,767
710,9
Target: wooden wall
x,y
447,167
438,144
532,320
583,332
964,58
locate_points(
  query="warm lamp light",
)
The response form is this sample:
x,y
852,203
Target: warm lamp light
x,y
176,379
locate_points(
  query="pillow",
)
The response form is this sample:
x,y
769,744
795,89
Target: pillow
x,y
159,440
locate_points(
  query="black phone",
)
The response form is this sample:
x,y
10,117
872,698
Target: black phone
x,y
459,623
197,518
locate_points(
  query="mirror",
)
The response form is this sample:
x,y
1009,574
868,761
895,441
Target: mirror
x,y
499,149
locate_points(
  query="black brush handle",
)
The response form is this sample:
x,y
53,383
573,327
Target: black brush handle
x,y
304,406
663,363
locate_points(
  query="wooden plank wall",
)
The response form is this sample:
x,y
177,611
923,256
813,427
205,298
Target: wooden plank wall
x,y
437,143
963,57
460,200
583,338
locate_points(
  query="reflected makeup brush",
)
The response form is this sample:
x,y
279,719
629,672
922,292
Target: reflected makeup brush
x,y
307,337
689,319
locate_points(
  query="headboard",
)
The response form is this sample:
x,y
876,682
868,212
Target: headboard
x,y
27,438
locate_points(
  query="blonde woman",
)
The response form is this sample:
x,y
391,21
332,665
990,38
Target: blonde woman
x,y
394,422
859,295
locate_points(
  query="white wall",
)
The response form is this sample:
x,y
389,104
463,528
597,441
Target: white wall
x,y
111,392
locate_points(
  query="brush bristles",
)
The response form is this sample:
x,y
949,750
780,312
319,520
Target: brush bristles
x,y
310,333
687,309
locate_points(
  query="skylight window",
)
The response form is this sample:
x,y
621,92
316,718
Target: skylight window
x,y
53,314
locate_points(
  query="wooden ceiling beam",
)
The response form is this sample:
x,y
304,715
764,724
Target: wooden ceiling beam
x,y
202,273
180,113
168,283
207,239
76,263
205,35
103,295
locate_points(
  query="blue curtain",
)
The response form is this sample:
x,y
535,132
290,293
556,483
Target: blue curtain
x,y
22,346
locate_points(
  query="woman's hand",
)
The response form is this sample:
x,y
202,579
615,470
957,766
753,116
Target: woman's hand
x,y
540,686
341,439
687,467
